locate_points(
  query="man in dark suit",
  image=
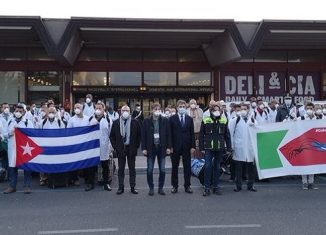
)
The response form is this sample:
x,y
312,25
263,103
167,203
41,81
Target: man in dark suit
x,y
125,139
183,144
156,141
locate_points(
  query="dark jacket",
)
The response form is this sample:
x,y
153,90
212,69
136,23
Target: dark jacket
x,y
117,140
283,112
214,134
183,138
147,137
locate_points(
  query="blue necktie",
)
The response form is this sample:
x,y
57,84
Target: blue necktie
x,y
182,121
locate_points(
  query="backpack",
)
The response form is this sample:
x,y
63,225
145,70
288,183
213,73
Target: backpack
x,y
106,116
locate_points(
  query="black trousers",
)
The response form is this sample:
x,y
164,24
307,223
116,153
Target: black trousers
x,y
239,173
90,175
105,171
232,170
186,161
132,168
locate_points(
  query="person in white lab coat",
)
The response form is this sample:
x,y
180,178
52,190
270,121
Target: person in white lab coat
x,y
112,114
105,122
89,106
20,121
243,151
272,110
78,120
260,114
5,117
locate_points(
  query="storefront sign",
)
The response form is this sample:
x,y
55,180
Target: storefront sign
x,y
143,90
239,87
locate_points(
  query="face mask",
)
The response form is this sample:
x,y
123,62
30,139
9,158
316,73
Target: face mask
x,y
253,104
125,115
167,113
243,113
319,112
33,108
261,106
156,113
276,106
216,113
77,111
51,115
18,114
182,110
98,112
173,113
288,102
309,112
238,113
193,106
324,111
62,111
43,114
88,100
6,110
138,109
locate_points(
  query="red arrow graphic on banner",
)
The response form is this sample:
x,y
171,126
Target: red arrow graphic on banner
x,y
307,149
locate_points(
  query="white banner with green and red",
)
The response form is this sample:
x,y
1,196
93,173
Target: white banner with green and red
x,y
290,148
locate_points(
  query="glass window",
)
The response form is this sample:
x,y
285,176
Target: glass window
x,y
12,53
194,78
271,56
160,55
125,79
160,78
124,55
13,86
89,78
38,54
304,56
191,56
92,54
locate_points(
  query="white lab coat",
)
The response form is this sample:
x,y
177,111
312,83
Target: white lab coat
x,y
261,118
272,115
75,121
240,139
114,116
89,110
4,121
105,131
52,125
10,135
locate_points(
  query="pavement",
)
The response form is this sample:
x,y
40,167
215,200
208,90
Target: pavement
x,y
279,207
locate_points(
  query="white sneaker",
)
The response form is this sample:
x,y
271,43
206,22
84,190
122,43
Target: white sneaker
x,y
305,186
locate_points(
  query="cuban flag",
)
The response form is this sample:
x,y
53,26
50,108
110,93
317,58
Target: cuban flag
x,y
57,150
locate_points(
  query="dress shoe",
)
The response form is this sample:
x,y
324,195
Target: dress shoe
x,y
27,190
133,191
206,193
237,189
252,189
151,192
89,187
161,192
217,191
188,190
9,190
120,191
107,187
76,183
174,190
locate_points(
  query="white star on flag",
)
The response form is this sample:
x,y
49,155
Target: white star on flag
x,y
27,149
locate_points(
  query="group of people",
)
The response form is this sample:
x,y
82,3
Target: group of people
x,y
182,132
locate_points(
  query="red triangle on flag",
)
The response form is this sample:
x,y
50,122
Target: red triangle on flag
x,y
26,148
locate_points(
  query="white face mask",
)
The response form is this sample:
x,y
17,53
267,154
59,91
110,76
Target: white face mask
x,y
217,113
18,114
125,115
182,110
276,106
138,108
309,112
238,113
6,110
261,106
324,111
193,106
167,113
88,100
173,113
51,115
243,113
319,112
43,114
156,113
77,111
288,102
253,104
98,112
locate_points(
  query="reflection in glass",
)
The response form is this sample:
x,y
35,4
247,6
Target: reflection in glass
x,y
12,86
194,78
160,78
191,56
89,79
124,78
160,55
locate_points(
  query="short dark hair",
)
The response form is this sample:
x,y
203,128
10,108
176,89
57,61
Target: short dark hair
x,y
155,105
310,104
181,102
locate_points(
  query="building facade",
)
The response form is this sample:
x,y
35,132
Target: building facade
x,y
144,60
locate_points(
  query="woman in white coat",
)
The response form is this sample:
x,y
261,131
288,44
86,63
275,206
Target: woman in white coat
x,y
105,122
20,121
243,151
